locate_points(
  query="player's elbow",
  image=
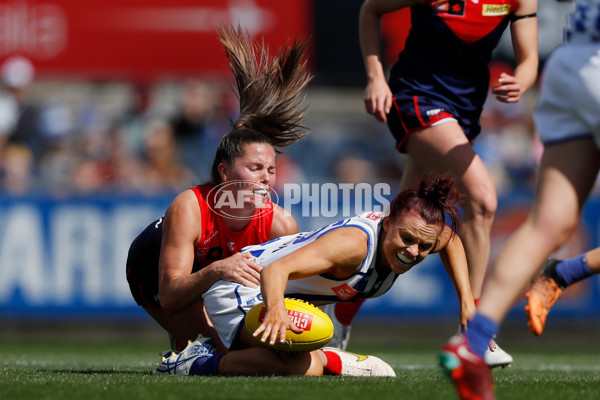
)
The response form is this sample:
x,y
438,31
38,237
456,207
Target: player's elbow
x,y
169,301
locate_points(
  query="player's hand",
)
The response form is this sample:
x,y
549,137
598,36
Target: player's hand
x,y
277,321
508,90
239,268
378,99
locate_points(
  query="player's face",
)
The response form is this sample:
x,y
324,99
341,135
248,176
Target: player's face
x,y
407,240
253,171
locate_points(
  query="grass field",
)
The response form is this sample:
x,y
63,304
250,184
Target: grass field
x,y
115,362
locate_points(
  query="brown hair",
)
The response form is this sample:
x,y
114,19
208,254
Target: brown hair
x,y
433,200
268,89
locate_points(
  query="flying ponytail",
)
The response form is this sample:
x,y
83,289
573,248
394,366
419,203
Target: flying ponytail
x,y
269,90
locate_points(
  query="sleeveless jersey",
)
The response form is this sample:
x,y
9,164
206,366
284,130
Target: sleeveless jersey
x,y
227,303
370,280
443,70
217,242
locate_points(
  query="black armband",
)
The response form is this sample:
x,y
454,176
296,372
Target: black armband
x,y
514,18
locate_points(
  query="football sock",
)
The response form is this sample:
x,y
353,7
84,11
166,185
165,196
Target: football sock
x,y
334,364
179,346
480,331
572,270
207,365
345,312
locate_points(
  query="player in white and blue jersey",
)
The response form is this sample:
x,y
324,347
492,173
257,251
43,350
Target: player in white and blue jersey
x,y
353,258
568,119
227,302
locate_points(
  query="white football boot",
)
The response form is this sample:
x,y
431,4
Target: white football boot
x,y
341,332
496,357
361,365
180,364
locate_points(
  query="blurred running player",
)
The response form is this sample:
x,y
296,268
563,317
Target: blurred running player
x,y
197,242
568,121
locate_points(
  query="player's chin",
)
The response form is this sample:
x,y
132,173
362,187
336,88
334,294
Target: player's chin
x,y
401,268
258,204
400,264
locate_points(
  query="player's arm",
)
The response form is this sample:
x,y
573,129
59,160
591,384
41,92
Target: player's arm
x,y
339,253
378,97
454,259
524,33
178,286
283,223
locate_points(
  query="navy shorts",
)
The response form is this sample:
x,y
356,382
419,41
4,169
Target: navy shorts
x,y
142,265
418,104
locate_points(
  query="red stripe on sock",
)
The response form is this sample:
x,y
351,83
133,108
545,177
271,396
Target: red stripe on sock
x,y
334,364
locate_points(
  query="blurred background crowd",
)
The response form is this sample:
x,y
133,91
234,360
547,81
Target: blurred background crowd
x,y
68,136
72,138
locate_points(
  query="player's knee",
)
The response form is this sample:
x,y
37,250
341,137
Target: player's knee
x,y
555,228
484,204
560,234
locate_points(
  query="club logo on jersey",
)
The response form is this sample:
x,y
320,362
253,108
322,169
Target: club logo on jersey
x,y
451,7
300,319
494,10
344,292
375,215
215,233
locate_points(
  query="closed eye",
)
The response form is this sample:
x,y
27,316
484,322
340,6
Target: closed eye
x,y
408,240
425,246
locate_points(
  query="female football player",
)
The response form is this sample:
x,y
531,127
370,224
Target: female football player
x,y
568,122
433,99
359,257
178,257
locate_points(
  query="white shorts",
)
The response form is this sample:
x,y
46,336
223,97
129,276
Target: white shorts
x,y
227,304
568,106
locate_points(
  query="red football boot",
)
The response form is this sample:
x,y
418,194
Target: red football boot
x,y
469,372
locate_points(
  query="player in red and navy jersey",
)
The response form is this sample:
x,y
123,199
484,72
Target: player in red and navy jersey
x,y
434,97
178,257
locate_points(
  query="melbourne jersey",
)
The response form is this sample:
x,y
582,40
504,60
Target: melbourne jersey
x,y
443,70
217,242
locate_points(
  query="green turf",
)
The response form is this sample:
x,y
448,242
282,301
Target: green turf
x,y
88,367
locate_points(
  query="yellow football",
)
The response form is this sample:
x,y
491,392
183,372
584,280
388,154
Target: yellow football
x,y
318,328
